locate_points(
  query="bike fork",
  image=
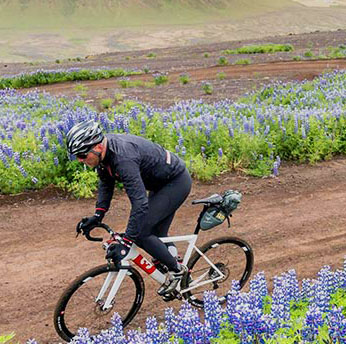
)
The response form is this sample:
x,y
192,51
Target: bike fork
x,y
115,287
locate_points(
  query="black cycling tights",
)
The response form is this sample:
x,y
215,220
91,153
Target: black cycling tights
x,y
162,206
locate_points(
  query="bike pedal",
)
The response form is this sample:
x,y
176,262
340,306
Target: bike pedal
x,y
172,296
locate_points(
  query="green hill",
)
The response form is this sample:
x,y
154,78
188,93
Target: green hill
x,y
32,30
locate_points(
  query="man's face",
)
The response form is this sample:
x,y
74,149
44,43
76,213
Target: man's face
x,y
91,159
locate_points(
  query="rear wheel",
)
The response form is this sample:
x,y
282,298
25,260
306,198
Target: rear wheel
x,y
233,257
77,306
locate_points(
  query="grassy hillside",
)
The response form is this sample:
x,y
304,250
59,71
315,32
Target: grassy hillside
x,y
41,30
24,14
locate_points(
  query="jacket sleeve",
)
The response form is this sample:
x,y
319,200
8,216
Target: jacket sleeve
x,y
105,190
129,173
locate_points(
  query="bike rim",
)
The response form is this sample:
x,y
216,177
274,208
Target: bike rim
x,y
80,308
233,257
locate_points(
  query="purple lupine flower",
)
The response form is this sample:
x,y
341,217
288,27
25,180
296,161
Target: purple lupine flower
x,y
34,180
189,327
136,337
82,337
337,325
183,151
45,143
56,161
266,130
280,303
259,289
252,125
170,321
321,297
292,286
296,123
230,132
4,159
312,323
220,152
326,277
212,311
54,148
278,160
180,141
246,126
31,341
152,330
22,171
307,289
117,324
275,169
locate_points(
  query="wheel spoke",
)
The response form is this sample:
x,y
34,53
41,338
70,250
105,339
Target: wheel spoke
x,y
226,255
78,306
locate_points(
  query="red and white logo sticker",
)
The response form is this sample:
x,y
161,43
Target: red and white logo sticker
x,y
144,264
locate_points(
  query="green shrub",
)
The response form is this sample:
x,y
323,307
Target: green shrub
x,y
308,53
160,79
106,103
261,49
84,183
221,75
151,55
206,55
296,58
184,79
242,62
337,52
42,77
207,87
119,97
222,61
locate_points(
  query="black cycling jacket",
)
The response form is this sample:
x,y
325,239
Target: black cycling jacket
x,y
140,165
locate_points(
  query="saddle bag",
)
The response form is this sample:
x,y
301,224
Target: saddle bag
x,y
216,214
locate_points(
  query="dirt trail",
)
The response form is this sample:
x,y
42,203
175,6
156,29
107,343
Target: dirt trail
x,y
297,220
238,79
301,69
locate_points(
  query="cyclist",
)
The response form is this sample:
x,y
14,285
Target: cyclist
x,y
141,166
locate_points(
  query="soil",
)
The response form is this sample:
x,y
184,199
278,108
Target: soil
x,y
296,220
238,79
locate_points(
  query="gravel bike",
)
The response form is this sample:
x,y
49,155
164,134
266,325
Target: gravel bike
x,y
92,298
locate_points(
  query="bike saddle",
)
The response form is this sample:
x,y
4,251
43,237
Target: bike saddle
x,y
213,199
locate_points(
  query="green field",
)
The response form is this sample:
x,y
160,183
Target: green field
x,y
37,30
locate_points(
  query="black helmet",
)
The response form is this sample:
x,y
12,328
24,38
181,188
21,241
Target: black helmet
x,y
83,137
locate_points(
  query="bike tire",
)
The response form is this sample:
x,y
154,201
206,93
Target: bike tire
x,y
82,293
233,256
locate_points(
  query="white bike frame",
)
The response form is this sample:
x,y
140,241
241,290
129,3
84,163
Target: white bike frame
x,y
150,269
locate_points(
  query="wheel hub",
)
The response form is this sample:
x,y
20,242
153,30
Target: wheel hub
x,y
214,274
99,308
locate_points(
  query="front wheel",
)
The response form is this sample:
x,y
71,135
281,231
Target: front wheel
x,y
233,257
81,305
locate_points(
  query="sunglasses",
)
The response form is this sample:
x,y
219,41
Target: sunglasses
x,y
82,155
